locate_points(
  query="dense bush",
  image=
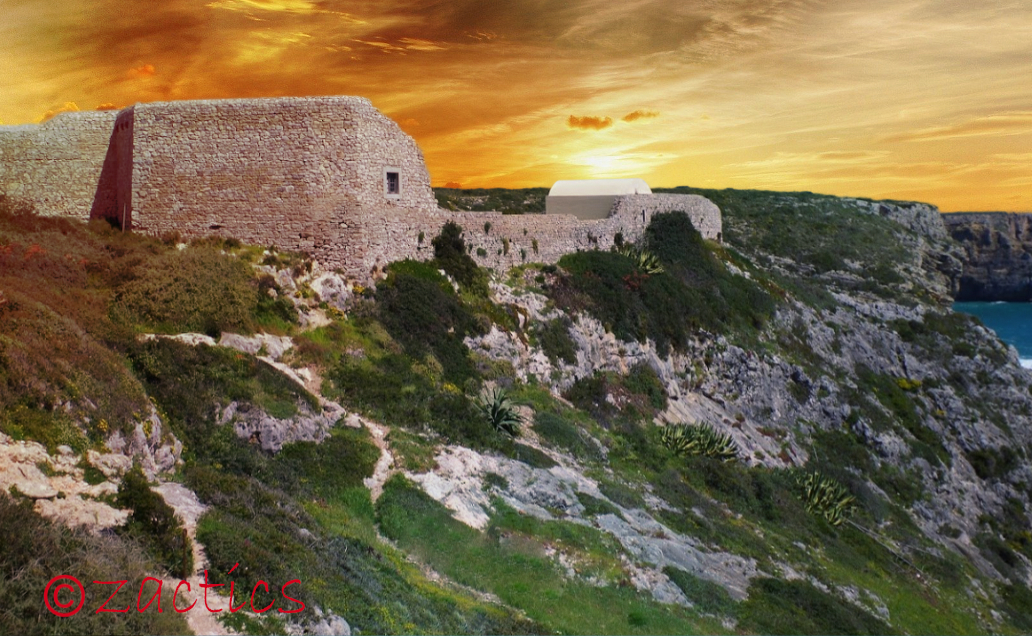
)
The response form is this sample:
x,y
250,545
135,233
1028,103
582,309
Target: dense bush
x,y
389,388
565,435
33,550
154,524
189,383
451,256
694,292
706,595
555,340
420,310
606,396
193,290
797,607
993,463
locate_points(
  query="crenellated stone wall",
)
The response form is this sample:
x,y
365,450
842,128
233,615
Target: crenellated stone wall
x,y
306,174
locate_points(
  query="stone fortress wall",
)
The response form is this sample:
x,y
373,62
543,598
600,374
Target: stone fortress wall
x,y
56,165
501,241
303,174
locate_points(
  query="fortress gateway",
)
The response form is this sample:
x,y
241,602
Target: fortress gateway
x,y
329,176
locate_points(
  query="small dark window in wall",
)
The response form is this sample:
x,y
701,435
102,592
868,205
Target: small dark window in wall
x,y
393,183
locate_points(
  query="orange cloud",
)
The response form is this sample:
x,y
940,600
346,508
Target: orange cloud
x,y
589,123
53,112
415,44
107,106
146,70
453,184
639,114
1009,123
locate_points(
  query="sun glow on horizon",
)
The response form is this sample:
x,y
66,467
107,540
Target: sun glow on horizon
x,y
879,98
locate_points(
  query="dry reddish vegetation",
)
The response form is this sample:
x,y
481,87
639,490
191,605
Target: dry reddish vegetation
x,y
57,342
73,296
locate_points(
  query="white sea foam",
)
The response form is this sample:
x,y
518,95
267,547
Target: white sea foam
x,y
1027,363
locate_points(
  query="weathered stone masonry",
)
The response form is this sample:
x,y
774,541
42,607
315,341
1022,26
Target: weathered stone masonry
x,y
305,174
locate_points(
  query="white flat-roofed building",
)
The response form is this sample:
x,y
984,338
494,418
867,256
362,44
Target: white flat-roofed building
x,y
589,199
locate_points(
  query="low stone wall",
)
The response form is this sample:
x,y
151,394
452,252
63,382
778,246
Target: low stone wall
x,y
706,218
500,241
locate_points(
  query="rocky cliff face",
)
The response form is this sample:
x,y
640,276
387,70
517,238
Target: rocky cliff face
x,y
845,362
998,255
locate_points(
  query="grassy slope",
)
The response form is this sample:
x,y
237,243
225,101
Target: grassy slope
x,y
304,513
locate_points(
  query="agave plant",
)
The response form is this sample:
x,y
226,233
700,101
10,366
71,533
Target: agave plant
x,y
826,497
699,439
646,261
500,411
649,263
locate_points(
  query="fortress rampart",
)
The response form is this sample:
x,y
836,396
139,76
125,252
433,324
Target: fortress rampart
x,y
330,176
56,165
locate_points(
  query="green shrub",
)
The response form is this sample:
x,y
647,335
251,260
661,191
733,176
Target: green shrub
x,y
593,506
563,434
154,523
531,456
450,254
993,463
193,290
388,389
707,596
639,394
797,607
642,380
555,340
695,292
420,310
699,439
189,383
1017,601
33,550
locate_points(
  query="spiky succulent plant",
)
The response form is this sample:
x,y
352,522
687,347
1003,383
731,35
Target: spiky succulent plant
x,y
699,439
500,412
646,261
826,497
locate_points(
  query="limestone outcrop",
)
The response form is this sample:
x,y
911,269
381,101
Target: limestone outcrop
x,y
998,255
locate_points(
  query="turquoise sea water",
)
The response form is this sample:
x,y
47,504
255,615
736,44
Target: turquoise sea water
x,y
1011,321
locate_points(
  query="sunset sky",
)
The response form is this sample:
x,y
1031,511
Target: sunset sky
x,y
928,100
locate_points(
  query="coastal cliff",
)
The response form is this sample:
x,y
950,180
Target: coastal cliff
x,y
997,255
785,432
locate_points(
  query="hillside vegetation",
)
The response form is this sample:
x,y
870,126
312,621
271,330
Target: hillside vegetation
x,y
788,432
